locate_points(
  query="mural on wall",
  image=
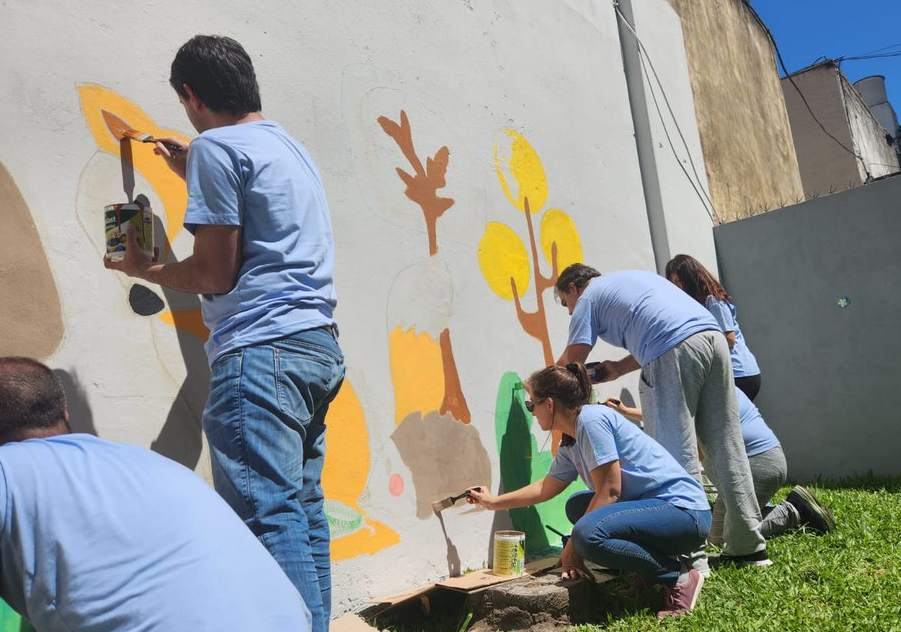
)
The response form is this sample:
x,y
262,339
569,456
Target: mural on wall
x,y
431,412
30,310
344,478
508,266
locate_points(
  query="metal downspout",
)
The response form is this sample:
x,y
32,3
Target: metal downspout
x,y
647,161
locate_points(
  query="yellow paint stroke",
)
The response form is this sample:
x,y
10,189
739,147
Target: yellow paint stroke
x,y
502,255
346,471
516,161
189,320
558,227
346,467
417,372
170,189
370,538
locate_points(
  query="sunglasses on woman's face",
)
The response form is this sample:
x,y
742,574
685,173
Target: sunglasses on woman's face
x,y
530,405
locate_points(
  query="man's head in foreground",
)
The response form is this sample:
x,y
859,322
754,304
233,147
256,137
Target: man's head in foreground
x,y
32,401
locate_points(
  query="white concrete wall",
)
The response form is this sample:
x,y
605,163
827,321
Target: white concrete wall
x,y
464,73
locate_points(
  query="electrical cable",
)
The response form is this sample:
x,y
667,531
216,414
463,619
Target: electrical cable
x,y
788,76
898,45
699,187
897,53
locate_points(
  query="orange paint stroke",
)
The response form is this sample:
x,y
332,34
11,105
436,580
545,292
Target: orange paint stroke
x,y
170,189
189,320
454,402
370,538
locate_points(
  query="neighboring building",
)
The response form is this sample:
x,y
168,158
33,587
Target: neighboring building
x,y
838,141
742,119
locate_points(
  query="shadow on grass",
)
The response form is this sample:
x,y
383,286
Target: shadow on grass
x,y
860,483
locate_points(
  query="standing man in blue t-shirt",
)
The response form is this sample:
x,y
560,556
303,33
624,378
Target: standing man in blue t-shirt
x,y
97,536
263,260
686,387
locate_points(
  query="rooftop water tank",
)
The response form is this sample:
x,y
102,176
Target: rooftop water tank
x,y
872,91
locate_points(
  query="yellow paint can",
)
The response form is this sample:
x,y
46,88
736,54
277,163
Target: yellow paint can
x,y
509,552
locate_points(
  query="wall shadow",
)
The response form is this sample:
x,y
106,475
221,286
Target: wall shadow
x,y
181,437
81,419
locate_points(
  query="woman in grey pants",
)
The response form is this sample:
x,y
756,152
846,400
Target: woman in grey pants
x,y
769,471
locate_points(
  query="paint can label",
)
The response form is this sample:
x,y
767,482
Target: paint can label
x,y
509,552
117,217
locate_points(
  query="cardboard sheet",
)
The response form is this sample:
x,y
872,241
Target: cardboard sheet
x,y
476,580
396,598
350,623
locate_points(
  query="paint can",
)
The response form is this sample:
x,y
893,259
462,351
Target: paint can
x,y
116,219
509,552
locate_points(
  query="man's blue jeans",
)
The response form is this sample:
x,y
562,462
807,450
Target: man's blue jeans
x,y
265,423
643,536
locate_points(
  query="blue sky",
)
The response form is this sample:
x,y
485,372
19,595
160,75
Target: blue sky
x,y
807,29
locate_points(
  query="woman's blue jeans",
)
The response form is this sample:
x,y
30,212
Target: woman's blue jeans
x,y
643,536
265,423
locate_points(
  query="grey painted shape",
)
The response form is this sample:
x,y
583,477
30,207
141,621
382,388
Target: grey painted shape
x,y
144,301
830,374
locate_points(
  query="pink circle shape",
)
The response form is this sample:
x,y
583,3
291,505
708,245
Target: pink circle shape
x,y
396,485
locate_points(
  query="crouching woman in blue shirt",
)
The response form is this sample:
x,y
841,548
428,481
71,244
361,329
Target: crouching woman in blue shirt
x,y
643,509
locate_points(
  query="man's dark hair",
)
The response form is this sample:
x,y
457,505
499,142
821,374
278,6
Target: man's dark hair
x,y
31,397
220,73
578,274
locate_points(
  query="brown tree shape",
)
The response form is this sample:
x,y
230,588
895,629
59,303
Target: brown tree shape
x,y
423,184
422,188
535,323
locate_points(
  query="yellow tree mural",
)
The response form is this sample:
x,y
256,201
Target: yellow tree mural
x,y
506,262
509,266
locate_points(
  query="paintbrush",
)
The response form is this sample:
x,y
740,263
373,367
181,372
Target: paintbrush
x,y
440,505
121,130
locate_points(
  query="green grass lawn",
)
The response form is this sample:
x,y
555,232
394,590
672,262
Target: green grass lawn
x,y
847,580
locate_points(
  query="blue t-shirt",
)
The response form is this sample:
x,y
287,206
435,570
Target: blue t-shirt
x,y
100,537
648,470
639,311
255,176
758,436
744,364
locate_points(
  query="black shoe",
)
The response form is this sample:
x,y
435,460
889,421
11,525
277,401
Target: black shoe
x,y
812,512
760,558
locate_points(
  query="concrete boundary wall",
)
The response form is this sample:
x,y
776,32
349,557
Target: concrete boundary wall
x,y
818,292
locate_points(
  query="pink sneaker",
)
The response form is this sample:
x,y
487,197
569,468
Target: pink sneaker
x,y
681,598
